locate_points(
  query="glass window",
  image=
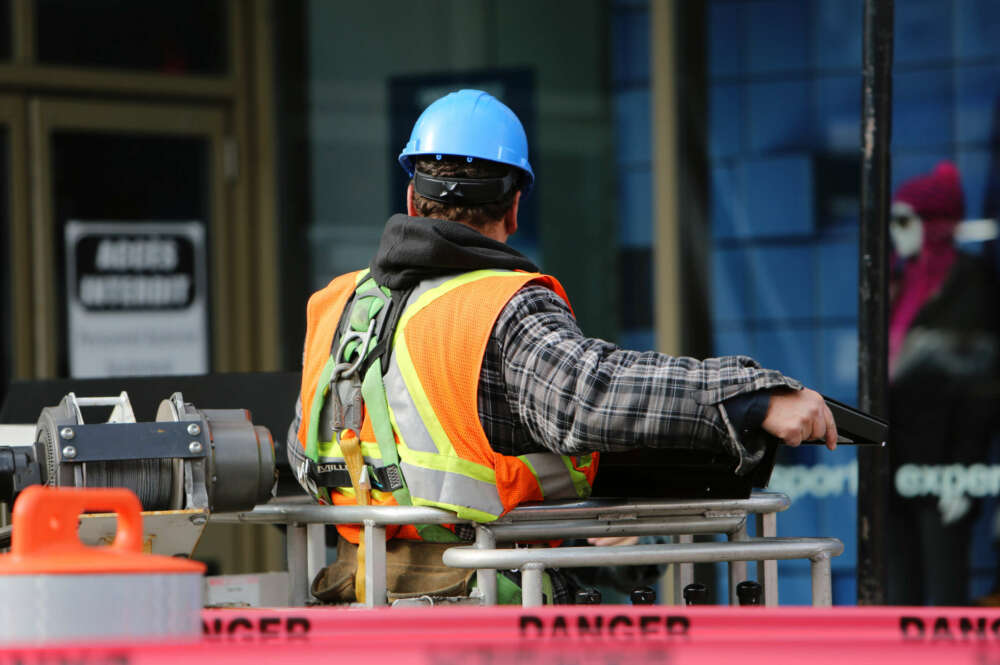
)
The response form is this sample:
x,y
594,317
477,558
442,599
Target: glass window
x,y
782,147
944,330
365,94
103,177
175,37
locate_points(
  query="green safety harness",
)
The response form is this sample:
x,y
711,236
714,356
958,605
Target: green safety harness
x,y
359,358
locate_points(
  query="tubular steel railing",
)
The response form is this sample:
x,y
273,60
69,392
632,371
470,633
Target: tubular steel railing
x,y
572,519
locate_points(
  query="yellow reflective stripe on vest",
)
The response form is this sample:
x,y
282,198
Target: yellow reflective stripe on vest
x,y
329,451
437,461
583,487
433,294
403,413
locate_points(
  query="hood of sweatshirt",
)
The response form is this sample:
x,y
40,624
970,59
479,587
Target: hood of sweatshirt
x,y
413,249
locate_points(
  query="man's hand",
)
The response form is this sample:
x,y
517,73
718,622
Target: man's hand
x,y
795,416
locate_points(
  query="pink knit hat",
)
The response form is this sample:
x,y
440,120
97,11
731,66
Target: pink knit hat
x,y
935,196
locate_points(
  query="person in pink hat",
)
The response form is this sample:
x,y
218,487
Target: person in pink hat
x,y
942,365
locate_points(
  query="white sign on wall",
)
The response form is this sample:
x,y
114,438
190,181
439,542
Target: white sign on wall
x,y
136,295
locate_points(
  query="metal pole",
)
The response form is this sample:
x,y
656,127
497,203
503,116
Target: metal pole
x,y
767,569
531,584
822,580
486,578
375,564
737,569
298,574
873,296
315,550
683,572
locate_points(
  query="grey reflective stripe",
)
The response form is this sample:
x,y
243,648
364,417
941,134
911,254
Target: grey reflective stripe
x,y
410,425
452,488
553,476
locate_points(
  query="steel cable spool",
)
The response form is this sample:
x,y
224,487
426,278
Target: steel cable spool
x,y
150,479
56,589
213,459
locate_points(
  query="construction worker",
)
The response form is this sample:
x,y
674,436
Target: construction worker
x,y
479,391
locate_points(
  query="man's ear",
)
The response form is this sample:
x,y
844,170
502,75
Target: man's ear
x,y
411,209
510,219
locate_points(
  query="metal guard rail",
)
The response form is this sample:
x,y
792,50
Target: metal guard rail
x,y
593,517
533,561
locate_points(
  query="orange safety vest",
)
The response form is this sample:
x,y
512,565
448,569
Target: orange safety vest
x,y
431,387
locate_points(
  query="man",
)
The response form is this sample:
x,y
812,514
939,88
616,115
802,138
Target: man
x,y
480,391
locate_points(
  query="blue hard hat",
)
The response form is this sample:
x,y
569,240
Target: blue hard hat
x,y
469,123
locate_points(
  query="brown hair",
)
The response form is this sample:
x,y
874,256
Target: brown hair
x,y
458,167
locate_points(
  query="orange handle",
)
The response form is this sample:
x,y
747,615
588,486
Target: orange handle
x,y
47,517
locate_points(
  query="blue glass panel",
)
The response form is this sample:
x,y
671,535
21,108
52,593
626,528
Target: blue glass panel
x,y
639,340
978,92
909,165
838,278
922,31
837,34
728,206
730,293
733,343
838,106
783,284
630,47
845,585
632,128
777,36
726,39
977,24
922,109
974,167
779,115
839,354
635,200
984,554
780,196
790,350
725,120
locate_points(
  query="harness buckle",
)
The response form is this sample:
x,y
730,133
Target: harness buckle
x,y
387,478
353,410
332,413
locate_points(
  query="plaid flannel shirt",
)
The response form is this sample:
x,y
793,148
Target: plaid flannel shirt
x,y
544,386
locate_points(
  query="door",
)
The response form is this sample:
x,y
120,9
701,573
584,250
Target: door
x,y
131,166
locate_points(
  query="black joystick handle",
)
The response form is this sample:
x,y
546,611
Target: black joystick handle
x,y
588,597
642,595
749,592
696,594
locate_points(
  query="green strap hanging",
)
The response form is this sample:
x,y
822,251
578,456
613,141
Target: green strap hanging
x,y
373,393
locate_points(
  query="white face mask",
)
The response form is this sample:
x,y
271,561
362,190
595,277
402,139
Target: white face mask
x,y
906,230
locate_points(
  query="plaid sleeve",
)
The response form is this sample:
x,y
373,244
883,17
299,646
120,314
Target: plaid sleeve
x,y
575,394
